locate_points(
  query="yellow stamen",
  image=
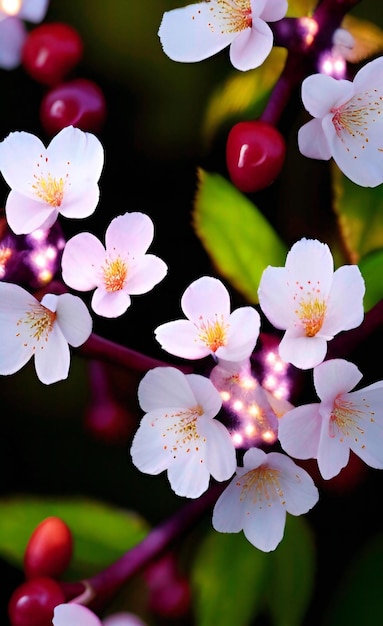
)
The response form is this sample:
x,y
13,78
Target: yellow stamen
x,y
114,274
183,433
49,189
262,485
345,418
40,321
311,314
232,15
354,118
213,334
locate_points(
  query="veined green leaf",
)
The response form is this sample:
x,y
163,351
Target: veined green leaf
x,y
238,238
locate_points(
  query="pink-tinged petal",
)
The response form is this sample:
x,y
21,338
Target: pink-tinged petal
x,y
366,434
77,205
274,297
370,74
310,266
12,37
189,476
228,510
145,274
24,215
334,377
244,325
19,154
264,527
180,338
15,347
33,10
252,46
312,141
333,454
52,357
220,452
165,387
82,259
205,394
253,458
110,303
206,298
273,10
79,153
345,302
299,431
299,492
71,614
131,233
321,93
150,454
301,351
194,33
73,319
122,619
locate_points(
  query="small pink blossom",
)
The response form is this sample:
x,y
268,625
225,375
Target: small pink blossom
x,y
310,301
343,420
200,30
73,614
210,328
257,499
120,269
13,32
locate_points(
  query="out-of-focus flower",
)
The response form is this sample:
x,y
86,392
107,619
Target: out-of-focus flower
x,y
311,301
62,178
257,499
12,29
210,327
72,614
200,30
347,124
43,329
341,422
179,432
118,270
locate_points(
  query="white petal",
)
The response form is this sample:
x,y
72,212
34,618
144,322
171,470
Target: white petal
x,y
19,154
52,358
70,614
15,350
299,491
310,266
345,302
220,452
273,10
244,324
206,298
333,454
366,438
131,233
82,258
149,452
110,303
370,75
12,37
194,32
181,339
205,394
299,431
228,511
301,351
312,141
78,152
334,377
81,201
74,319
33,10
189,476
274,297
252,46
264,527
321,93
145,274
24,215
164,387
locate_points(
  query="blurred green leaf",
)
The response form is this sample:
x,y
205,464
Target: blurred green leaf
x,y
102,533
228,579
292,570
368,38
360,215
358,599
299,8
371,268
238,238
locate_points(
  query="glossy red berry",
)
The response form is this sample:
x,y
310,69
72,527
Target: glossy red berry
x,y
49,550
51,51
33,602
79,102
255,153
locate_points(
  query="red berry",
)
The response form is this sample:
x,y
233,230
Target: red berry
x,y
51,51
255,153
79,102
49,550
33,603
109,422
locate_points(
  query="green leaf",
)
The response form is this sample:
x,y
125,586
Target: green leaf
x,y
360,215
300,8
292,570
358,599
371,268
238,238
228,580
368,38
102,533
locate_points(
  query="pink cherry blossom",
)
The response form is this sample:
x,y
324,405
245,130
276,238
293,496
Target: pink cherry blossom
x,y
310,301
343,420
210,328
200,30
45,182
178,432
257,499
120,269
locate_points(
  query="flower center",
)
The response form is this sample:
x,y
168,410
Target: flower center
x,y
232,15
213,334
36,325
311,314
345,417
183,432
261,485
114,274
352,119
49,189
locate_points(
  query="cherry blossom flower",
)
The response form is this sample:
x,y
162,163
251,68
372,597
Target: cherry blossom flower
x,y
43,329
179,433
13,32
344,420
118,270
200,30
62,178
347,124
311,301
257,499
73,614
210,328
